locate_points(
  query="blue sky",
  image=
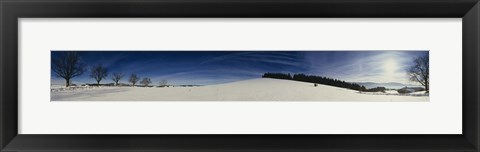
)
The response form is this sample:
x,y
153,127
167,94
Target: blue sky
x,y
213,67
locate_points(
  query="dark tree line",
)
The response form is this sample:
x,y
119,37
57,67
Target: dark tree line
x,y
316,79
285,76
376,89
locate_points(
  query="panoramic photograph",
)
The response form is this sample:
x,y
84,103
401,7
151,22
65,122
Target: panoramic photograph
x,y
316,75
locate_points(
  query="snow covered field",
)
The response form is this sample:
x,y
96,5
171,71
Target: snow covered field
x,y
262,89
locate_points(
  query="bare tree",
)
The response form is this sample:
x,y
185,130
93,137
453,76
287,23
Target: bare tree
x,y
146,81
117,77
133,79
67,66
98,72
163,83
419,71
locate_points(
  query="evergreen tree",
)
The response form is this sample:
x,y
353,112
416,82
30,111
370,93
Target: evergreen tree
x,y
316,79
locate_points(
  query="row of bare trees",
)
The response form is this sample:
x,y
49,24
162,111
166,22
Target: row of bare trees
x,y
116,77
67,66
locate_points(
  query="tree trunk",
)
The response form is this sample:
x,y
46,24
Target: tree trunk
x,y
426,87
67,83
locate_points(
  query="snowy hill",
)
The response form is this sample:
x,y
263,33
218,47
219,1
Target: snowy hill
x,y
390,85
262,89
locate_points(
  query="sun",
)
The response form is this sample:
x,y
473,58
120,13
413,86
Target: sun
x,y
390,66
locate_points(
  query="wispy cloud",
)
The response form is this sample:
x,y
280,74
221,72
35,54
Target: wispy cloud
x,y
370,67
281,58
211,67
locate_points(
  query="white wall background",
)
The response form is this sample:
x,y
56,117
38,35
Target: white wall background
x,y
442,115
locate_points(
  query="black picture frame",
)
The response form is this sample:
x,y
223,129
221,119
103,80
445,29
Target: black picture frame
x,y
11,10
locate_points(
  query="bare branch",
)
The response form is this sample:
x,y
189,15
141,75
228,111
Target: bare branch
x,y
116,77
133,79
146,81
98,72
67,65
419,71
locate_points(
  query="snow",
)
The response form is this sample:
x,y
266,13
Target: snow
x,y
391,92
419,93
395,92
262,89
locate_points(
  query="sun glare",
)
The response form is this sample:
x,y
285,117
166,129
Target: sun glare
x,y
389,68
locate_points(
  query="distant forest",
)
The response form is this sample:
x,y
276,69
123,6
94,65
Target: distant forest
x,y
321,80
